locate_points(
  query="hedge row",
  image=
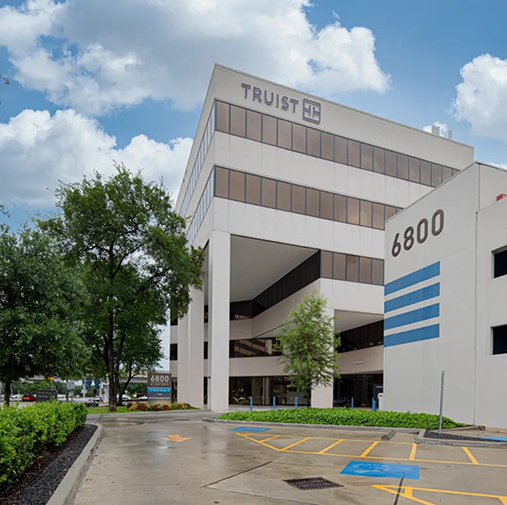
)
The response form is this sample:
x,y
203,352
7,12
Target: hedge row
x,y
145,407
344,417
26,431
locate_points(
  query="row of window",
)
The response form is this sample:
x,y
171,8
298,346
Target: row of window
x,y
253,348
347,267
270,130
199,161
362,337
201,209
274,194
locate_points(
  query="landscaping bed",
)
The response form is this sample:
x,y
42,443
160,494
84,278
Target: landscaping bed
x,y
344,417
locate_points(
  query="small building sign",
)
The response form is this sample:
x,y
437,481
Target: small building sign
x,y
160,386
46,395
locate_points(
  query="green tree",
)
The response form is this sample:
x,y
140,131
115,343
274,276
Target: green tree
x,y
39,304
308,342
133,249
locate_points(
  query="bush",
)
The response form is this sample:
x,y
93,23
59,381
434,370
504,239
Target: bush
x,y
25,432
143,407
344,417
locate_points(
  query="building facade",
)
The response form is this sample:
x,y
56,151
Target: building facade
x,y
289,193
446,298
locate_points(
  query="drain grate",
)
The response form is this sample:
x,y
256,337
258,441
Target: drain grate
x,y
312,483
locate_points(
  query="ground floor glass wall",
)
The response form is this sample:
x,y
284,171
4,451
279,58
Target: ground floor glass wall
x,y
363,388
262,389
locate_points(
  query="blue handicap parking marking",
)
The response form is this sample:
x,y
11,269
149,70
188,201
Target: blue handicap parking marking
x,y
367,469
250,428
503,439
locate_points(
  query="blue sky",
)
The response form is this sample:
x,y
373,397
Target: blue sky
x,y
97,80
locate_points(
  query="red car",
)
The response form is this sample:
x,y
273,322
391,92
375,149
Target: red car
x,y
28,398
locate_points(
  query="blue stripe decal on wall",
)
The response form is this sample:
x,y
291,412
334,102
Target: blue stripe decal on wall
x,y
414,278
414,316
405,337
414,297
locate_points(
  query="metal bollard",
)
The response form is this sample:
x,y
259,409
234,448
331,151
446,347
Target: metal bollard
x,y
374,405
296,402
251,403
274,402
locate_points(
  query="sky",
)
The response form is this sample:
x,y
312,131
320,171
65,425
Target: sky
x,y
98,81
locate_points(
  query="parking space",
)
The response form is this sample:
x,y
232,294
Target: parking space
x,y
162,460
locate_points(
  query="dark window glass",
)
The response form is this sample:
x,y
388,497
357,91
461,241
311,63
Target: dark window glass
x,y
237,182
298,199
327,265
339,261
299,138
253,125
402,166
352,268
378,216
414,170
238,121
446,173
222,182
366,213
377,268
327,146
379,162
500,340
454,171
365,270
269,130
390,211
391,164
313,142
222,117
340,208
354,153
500,263
284,134
340,150
268,193
205,353
173,352
362,337
426,173
253,189
326,205
366,157
283,196
312,202
352,210
436,175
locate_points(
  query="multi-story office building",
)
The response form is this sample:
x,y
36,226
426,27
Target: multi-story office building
x,y
446,299
288,193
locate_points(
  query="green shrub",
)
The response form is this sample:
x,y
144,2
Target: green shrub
x,y
24,432
143,407
344,417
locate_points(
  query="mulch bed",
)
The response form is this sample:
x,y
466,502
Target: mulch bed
x,y
449,436
40,481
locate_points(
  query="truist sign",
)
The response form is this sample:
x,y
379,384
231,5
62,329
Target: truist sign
x,y
310,109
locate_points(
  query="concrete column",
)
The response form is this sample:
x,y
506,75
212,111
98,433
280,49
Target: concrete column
x,y
194,388
219,275
322,396
182,357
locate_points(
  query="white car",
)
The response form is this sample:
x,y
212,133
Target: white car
x,y
125,397
142,398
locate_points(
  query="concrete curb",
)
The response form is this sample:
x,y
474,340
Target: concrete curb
x,y
458,443
321,426
144,415
69,486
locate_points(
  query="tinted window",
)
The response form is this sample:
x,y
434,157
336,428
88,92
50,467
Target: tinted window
x,y
352,210
436,175
269,130
366,157
312,202
340,150
238,121
298,199
222,117
327,265
500,260
365,270
377,270
253,189
379,164
283,196
366,214
354,153
426,173
378,216
391,164
253,125
352,268
284,134
327,146
313,142
340,208
222,182
446,173
237,186
299,138
402,166
414,170
500,340
339,266
268,193
390,212
326,205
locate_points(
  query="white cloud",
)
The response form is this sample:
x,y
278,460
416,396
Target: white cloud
x,y
120,53
444,129
37,150
481,98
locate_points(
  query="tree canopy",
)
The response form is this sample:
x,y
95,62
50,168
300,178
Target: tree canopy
x,y
308,343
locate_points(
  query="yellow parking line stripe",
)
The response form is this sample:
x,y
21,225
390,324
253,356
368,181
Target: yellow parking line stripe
x,y
269,438
330,447
295,443
470,455
412,452
365,453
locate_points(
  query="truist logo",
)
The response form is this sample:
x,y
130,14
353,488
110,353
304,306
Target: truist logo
x,y
310,109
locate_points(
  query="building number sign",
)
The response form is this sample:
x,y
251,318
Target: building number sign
x,y
420,233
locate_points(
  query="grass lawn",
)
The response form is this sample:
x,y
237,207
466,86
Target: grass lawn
x,y
105,410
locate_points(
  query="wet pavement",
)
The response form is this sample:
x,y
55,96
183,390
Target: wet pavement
x,y
150,459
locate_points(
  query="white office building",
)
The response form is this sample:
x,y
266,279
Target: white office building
x,y
446,300
288,193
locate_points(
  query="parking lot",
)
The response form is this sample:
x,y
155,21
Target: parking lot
x,y
178,458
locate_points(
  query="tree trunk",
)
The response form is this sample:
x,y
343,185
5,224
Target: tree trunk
x,y
308,398
120,392
110,365
7,392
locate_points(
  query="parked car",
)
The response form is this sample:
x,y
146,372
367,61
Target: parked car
x,y
28,398
92,403
125,398
142,398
